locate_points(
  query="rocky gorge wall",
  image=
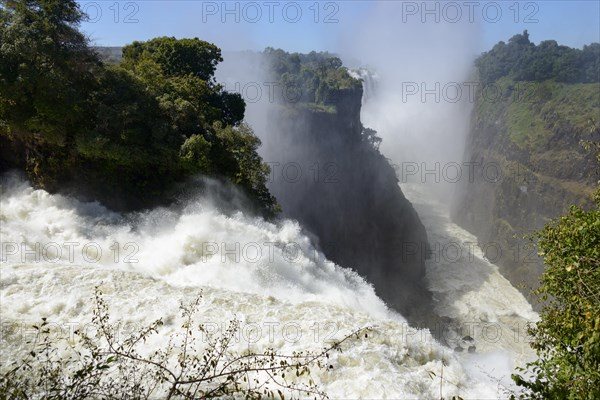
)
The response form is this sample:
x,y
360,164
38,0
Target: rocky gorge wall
x,y
329,177
529,167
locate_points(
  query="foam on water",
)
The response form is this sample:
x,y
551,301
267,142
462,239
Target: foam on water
x,y
274,281
470,290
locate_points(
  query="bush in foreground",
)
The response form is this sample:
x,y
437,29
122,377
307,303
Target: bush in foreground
x,y
104,367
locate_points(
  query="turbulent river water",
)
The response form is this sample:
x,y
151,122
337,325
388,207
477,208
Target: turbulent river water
x,y
55,250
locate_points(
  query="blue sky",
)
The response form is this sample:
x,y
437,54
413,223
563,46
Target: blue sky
x,y
322,25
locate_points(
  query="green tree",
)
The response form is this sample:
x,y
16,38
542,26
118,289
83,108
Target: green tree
x,y
318,76
46,69
127,126
206,118
176,56
567,337
137,128
235,153
590,63
47,72
181,70
524,61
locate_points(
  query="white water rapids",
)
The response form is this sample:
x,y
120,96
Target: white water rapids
x,y
55,250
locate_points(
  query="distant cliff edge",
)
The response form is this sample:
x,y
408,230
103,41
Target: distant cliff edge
x,y
329,174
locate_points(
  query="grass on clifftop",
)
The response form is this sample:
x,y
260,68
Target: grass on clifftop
x,y
535,112
551,108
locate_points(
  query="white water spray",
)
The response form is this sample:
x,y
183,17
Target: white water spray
x,y
298,299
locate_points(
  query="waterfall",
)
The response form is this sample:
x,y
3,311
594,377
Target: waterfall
x,y
56,249
370,81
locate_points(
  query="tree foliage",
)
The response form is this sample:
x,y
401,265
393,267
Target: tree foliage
x,y
310,78
137,127
567,337
46,69
522,60
176,57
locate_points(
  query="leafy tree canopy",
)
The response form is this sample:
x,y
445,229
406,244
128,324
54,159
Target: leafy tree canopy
x,y
313,77
46,68
567,337
176,56
138,127
522,60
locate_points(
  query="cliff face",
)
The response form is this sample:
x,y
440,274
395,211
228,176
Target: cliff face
x,y
529,166
348,196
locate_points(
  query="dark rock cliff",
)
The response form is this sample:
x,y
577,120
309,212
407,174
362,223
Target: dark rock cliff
x,y
345,192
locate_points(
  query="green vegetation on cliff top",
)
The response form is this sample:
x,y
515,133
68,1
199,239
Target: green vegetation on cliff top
x,y
316,79
522,60
540,92
552,107
129,130
548,105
